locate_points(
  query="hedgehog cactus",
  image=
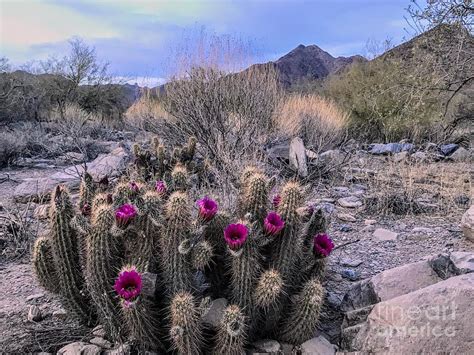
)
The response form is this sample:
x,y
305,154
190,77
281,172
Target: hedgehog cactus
x,y
267,256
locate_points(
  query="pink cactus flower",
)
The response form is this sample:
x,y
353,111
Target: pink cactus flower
x,y
128,284
160,187
273,223
125,214
235,235
207,208
86,210
322,245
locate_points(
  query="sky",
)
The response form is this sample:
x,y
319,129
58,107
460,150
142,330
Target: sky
x,y
140,38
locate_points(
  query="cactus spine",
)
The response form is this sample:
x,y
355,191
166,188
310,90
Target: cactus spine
x,y
304,314
255,200
186,332
43,265
201,255
232,332
66,255
180,178
86,191
104,253
175,254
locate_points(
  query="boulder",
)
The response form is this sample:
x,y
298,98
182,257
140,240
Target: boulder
x,y
448,149
38,189
80,348
214,315
101,342
419,157
467,223
349,202
280,151
434,319
72,158
298,157
34,314
453,264
461,155
332,157
390,148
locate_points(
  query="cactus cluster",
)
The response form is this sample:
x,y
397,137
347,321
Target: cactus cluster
x,y
267,261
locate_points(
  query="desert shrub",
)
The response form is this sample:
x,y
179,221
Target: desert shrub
x,y
318,121
229,114
387,102
147,113
12,146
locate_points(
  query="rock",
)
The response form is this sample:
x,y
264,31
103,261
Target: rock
x,y
431,320
287,349
213,316
38,189
390,284
34,314
453,264
72,158
318,346
345,228
350,274
351,262
267,346
382,234
461,154
34,297
311,155
41,212
60,314
123,349
99,331
298,157
390,148
448,149
280,151
349,202
399,157
369,222
346,217
419,157
80,348
101,342
467,223
332,157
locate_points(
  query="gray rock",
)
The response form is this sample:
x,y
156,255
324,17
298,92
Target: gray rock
x,y
467,223
214,315
34,297
267,346
297,157
318,346
461,155
422,230
101,342
72,158
382,234
60,314
34,314
332,157
400,157
80,348
419,157
349,202
350,274
281,151
369,222
346,217
99,331
453,264
287,349
448,149
433,319
345,228
351,262
390,148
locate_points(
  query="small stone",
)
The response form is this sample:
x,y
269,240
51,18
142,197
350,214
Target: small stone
x,y
34,297
214,315
419,157
101,342
346,217
460,155
422,230
318,346
382,234
349,202
79,347
467,224
350,274
60,314
351,263
448,149
267,346
345,228
99,331
34,314
369,222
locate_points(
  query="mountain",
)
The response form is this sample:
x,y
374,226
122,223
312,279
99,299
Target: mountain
x,y
309,63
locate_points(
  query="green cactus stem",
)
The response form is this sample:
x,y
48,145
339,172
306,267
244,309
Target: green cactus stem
x,y
86,192
232,333
43,265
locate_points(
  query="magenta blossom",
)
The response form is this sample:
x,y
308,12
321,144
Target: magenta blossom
x,y
160,187
276,201
134,187
86,210
235,235
273,224
323,245
125,214
207,208
128,284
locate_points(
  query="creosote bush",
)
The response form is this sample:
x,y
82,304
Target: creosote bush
x,y
108,255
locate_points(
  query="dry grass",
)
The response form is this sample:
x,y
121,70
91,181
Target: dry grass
x,y
147,113
412,188
318,121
